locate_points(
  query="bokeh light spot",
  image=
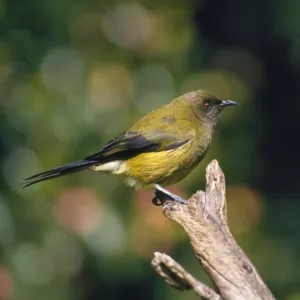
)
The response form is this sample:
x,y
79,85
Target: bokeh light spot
x,y
128,26
16,166
6,283
31,265
150,230
108,239
62,69
7,230
152,85
109,86
64,252
244,208
78,210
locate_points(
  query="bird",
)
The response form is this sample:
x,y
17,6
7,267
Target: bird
x,y
160,149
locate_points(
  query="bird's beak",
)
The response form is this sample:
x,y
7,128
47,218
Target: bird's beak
x,y
227,103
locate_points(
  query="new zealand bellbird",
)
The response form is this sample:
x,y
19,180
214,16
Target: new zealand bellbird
x,y
160,149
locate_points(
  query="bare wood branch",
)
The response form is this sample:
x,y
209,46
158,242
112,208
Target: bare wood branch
x,y
176,276
205,221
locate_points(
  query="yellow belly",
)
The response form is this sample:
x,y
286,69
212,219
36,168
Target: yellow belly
x,y
163,168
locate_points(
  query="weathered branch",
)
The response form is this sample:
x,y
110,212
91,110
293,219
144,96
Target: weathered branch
x,y
205,221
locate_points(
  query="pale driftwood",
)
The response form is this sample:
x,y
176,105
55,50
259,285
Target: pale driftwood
x,y
204,219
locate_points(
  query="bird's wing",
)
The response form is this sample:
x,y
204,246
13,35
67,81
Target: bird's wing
x,y
133,143
158,131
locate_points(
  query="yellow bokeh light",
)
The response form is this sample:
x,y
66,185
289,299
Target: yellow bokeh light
x,y
109,86
245,208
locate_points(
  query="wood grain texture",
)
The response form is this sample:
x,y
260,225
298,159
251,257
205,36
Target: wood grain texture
x,y
204,220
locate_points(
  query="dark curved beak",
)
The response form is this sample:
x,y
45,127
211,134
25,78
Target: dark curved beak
x,y
227,103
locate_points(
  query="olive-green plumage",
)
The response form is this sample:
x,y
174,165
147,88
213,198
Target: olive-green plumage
x,y
162,148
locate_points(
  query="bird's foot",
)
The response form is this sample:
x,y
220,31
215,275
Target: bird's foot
x,y
162,196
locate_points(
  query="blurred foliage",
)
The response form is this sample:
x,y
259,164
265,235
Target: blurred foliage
x,y
73,74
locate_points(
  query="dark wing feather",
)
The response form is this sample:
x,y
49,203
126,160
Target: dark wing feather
x,y
130,144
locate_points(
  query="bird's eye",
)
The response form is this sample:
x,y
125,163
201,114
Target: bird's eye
x,y
207,104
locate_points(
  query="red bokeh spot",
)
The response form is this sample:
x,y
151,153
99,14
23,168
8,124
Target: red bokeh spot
x,y
6,284
78,210
150,230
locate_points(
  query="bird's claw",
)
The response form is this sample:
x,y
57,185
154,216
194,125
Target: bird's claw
x,y
157,201
162,196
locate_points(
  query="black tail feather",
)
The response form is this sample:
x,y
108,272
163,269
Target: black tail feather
x,y
57,172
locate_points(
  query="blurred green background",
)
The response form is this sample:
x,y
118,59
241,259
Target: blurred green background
x,y
73,74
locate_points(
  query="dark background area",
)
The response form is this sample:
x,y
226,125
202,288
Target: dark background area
x,y
73,74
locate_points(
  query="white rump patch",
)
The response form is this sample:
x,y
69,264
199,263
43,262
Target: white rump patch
x,y
115,167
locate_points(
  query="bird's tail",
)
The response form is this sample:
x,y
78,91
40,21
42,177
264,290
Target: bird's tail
x,y
57,172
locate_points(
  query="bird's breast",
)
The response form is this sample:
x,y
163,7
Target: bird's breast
x,y
165,167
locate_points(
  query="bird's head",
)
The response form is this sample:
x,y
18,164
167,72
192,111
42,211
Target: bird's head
x,y
207,106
